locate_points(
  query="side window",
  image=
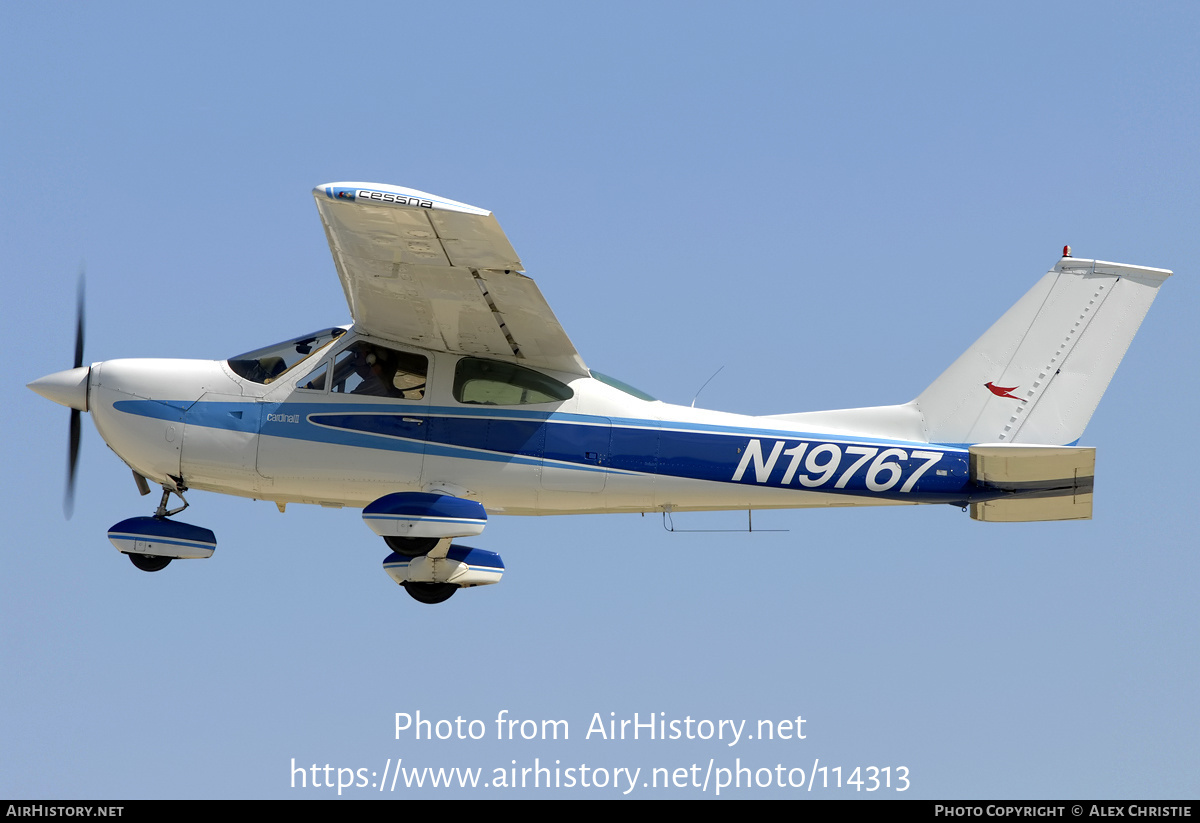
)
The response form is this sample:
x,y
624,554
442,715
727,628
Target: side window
x,y
492,383
377,371
316,380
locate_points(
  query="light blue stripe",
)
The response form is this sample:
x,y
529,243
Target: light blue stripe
x,y
155,539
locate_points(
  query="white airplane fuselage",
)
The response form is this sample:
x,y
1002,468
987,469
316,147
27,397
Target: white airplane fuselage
x,y
601,450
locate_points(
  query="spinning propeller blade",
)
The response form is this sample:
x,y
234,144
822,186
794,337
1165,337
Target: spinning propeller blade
x,y
73,448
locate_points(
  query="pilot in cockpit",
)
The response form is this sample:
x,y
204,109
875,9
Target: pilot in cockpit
x,y
370,366
382,372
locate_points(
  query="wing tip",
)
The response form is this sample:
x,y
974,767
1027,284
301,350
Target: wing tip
x,y
387,195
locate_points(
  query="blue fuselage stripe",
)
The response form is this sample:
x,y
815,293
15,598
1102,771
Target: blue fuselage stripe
x,y
589,444
153,538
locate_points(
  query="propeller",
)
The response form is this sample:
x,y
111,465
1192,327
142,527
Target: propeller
x,y
73,448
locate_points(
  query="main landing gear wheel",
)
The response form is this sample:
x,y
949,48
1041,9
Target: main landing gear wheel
x,y
430,592
149,562
413,547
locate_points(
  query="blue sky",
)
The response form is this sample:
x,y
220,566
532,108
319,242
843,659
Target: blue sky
x,y
830,202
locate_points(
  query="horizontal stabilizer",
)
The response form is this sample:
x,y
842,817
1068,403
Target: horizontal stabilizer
x,y
1023,510
1042,482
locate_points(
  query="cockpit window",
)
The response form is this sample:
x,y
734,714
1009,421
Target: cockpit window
x,y
371,369
492,383
265,365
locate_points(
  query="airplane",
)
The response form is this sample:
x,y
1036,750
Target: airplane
x,y
455,394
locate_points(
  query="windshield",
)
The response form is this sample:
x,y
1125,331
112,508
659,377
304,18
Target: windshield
x,y
265,365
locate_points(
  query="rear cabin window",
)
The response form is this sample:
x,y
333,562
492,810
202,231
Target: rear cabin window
x,y
621,385
492,383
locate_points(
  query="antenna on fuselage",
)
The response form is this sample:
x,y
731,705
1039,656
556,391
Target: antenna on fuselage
x,y
669,525
706,382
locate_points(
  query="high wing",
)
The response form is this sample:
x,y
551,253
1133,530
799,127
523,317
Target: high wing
x,y
438,274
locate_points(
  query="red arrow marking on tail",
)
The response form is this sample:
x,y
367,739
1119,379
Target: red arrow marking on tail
x,y
1000,391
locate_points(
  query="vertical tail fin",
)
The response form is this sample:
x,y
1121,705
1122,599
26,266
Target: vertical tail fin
x,y
1038,373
